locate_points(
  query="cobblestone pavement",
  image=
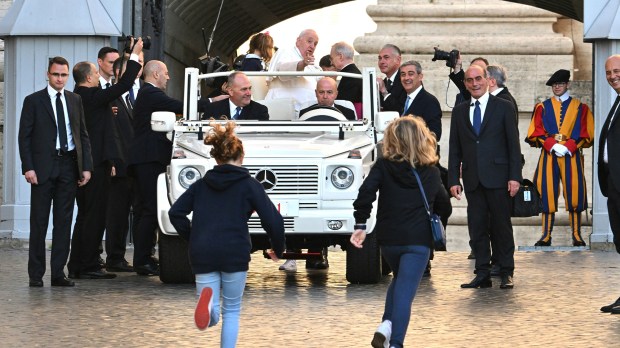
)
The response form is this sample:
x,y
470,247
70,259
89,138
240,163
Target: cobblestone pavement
x,y
555,303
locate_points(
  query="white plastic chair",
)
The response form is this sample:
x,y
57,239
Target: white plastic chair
x,y
282,109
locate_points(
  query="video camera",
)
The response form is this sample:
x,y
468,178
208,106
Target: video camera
x,y
146,43
450,57
213,65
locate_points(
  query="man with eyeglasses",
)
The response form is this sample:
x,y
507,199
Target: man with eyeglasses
x,y
561,126
92,199
54,149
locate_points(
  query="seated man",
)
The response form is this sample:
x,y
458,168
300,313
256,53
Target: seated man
x,y
240,105
326,92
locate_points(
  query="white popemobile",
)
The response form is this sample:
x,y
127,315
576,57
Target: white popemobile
x,y
311,170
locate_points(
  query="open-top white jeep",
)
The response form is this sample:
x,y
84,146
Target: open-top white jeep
x,y
311,170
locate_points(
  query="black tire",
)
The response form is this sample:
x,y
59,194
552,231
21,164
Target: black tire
x,y
364,265
174,267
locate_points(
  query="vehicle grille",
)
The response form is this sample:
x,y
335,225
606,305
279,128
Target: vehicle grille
x,y
291,179
254,225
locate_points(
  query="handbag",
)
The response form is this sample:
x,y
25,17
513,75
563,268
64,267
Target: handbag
x,y
526,202
437,229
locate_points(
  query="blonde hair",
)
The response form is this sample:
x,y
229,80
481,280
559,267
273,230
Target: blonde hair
x,y
226,145
408,139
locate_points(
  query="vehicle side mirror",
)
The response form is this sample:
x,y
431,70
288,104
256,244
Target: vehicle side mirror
x,y
383,119
163,121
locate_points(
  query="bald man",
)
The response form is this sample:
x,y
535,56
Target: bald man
x,y
149,157
609,161
326,92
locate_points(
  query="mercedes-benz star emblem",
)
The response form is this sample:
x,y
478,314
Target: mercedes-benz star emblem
x,y
267,178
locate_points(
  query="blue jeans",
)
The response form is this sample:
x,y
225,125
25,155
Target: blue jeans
x,y
232,285
408,263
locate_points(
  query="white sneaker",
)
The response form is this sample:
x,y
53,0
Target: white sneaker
x,y
381,339
289,266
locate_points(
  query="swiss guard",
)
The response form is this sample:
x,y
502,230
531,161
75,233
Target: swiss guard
x,y
562,126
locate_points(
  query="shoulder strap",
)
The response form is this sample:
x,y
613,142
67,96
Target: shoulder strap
x,y
417,177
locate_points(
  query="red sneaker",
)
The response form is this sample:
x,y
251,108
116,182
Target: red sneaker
x,y
202,315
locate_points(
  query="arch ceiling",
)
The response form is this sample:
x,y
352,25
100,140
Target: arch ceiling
x,y
238,20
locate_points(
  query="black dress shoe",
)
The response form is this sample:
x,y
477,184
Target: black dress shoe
x,y
543,243
495,270
608,308
579,243
506,282
317,264
100,274
122,266
478,282
62,282
471,256
147,270
35,283
615,310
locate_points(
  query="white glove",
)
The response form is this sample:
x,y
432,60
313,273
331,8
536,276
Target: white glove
x,y
560,150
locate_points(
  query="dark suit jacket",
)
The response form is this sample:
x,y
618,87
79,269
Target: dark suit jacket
x,y
491,158
254,111
611,135
37,134
122,135
98,110
147,145
505,94
348,113
426,106
395,101
349,88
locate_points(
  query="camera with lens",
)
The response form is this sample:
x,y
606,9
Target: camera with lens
x,y
450,57
146,43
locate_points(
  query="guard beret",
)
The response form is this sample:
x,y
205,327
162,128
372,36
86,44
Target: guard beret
x,y
559,77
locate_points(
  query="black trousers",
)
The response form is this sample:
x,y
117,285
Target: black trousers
x,y
145,237
121,198
488,217
613,209
60,189
90,222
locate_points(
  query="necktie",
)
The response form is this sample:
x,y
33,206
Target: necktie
x,y
236,116
477,118
132,98
128,102
407,104
107,85
61,125
388,84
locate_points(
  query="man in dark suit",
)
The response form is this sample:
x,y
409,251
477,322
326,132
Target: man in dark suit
x,y
239,106
609,161
458,76
418,101
326,92
349,88
389,64
55,152
497,86
150,153
485,144
121,189
92,199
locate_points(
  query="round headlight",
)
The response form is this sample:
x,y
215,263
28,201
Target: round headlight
x,y
188,176
342,178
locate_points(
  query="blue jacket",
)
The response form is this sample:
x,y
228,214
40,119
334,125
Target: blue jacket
x,y
222,203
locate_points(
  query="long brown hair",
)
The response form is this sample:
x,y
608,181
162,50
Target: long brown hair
x,y
263,42
226,145
408,139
